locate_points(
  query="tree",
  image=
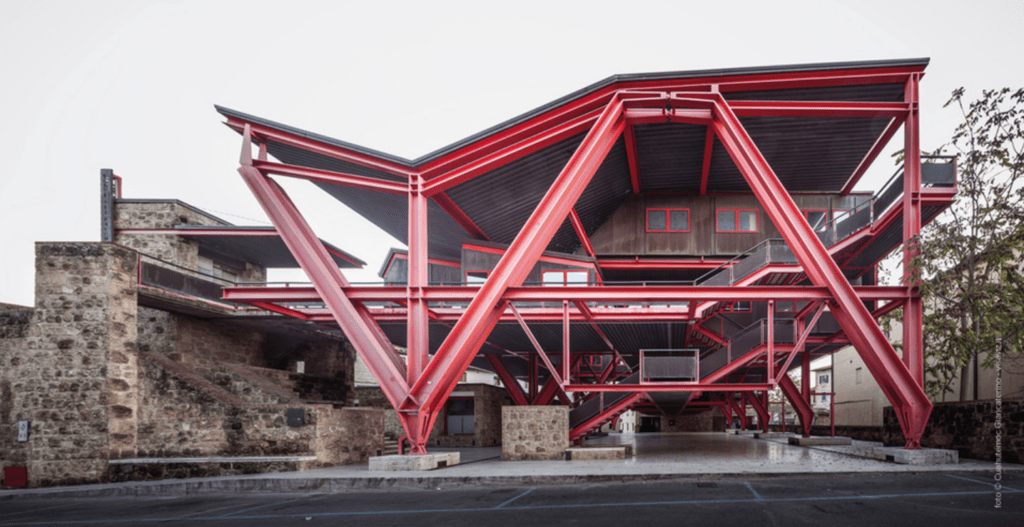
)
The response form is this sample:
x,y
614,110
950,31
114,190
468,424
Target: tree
x,y
970,259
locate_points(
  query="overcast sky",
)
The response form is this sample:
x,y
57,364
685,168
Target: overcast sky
x,y
130,85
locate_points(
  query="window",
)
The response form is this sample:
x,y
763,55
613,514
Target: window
x,y
595,361
823,379
560,277
817,219
838,214
216,269
476,277
739,306
668,220
459,413
785,306
736,220
859,375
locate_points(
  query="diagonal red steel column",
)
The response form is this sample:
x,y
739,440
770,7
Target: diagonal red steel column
x,y
759,408
515,391
911,404
466,337
327,279
804,410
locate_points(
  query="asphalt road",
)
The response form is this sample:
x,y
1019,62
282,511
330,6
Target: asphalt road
x,y
910,499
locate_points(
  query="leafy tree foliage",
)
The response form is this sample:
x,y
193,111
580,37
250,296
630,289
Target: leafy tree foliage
x,y
970,259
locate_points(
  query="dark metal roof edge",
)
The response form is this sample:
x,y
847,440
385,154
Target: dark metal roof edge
x,y
387,260
629,77
228,112
242,228
177,202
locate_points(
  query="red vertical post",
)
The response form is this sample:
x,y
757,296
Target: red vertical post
x,y
418,326
805,387
771,344
913,312
532,378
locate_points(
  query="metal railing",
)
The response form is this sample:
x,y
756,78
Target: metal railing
x,y
745,341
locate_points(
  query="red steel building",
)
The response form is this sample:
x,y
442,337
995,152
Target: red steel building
x,y
666,241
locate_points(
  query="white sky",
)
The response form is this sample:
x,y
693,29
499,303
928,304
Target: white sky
x,y
130,85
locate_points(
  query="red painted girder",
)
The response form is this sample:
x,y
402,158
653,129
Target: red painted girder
x,y
260,232
445,181
465,339
581,233
667,387
705,170
801,341
585,310
515,391
634,166
759,409
619,407
873,152
530,315
418,326
611,264
817,109
283,310
327,279
459,216
757,353
312,145
869,340
536,345
551,389
334,178
804,410
636,116
913,311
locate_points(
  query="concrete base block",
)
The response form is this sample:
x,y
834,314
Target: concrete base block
x,y
597,453
771,435
820,441
424,462
924,456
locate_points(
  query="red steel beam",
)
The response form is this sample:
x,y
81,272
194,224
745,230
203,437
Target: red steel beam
x,y
804,410
668,387
759,408
603,293
908,398
913,310
709,143
334,178
817,109
362,331
549,391
634,167
581,429
418,326
459,216
674,264
515,391
312,145
581,233
560,132
873,152
536,345
616,356
465,339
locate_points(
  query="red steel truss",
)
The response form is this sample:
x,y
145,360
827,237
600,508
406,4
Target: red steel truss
x,y
419,386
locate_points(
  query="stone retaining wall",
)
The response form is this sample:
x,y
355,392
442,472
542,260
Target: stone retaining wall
x,y
969,428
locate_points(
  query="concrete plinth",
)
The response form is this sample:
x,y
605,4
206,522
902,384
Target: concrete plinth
x,y
597,453
424,462
924,456
771,435
820,441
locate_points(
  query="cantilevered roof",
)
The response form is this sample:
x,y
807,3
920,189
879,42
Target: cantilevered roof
x,y
255,244
809,154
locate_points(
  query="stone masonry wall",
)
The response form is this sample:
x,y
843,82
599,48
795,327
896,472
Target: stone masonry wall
x,y
169,248
534,432
702,422
73,371
487,404
203,344
968,427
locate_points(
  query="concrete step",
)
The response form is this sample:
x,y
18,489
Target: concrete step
x,y
390,447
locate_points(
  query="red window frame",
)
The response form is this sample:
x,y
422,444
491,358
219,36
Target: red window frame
x,y
668,220
565,276
734,307
736,219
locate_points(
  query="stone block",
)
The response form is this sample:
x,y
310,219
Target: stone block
x,y
604,453
924,456
820,441
771,435
424,462
534,433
